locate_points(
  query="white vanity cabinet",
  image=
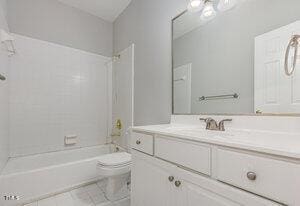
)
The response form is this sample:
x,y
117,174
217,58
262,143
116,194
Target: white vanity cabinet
x,y
154,183
266,176
150,181
163,179
183,153
142,142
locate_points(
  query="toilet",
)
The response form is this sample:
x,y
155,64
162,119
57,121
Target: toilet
x,y
116,168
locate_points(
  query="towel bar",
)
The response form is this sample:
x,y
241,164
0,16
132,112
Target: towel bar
x,y
227,96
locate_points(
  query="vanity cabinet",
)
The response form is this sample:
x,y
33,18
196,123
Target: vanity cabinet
x,y
150,181
157,182
193,195
183,153
142,142
266,176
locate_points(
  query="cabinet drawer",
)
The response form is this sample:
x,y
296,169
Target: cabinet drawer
x,y
190,155
142,142
275,179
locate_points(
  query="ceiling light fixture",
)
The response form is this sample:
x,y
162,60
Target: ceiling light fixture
x,y
195,5
209,11
225,5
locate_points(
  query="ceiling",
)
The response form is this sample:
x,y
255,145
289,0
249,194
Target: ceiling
x,y
108,10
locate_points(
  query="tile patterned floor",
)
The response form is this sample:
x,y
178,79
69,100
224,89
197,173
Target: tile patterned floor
x,y
91,195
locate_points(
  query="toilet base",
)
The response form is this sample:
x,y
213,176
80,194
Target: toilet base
x,y
117,187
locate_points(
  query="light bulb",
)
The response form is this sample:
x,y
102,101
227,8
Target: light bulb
x,y
195,5
208,12
225,5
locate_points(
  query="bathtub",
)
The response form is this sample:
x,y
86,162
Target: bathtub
x,y
36,176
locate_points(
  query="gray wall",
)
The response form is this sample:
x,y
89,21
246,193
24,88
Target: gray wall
x,y
222,53
148,25
55,22
3,4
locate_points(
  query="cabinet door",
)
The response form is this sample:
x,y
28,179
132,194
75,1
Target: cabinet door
x,y
195,195
150,182
151,187
196,190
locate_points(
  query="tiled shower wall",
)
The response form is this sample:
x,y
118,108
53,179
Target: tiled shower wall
x,y
56,91
4,67
122,105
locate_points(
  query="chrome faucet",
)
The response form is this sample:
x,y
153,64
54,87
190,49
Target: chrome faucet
x,y
212,124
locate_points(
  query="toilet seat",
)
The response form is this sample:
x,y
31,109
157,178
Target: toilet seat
x,y
114,164
115,160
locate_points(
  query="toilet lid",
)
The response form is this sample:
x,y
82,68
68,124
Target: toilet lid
x,y
115,159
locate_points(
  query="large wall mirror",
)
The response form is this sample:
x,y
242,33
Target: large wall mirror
x,y
237,57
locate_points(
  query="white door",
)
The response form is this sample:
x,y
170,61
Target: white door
x,y
150,182
182,89
275,92
123,94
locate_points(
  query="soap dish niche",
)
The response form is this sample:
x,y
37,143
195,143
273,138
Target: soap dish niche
x,y
70,140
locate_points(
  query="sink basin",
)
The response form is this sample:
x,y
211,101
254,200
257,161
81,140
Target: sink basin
x,y
197,131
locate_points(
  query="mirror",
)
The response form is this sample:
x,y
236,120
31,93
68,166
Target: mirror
x,y
235,59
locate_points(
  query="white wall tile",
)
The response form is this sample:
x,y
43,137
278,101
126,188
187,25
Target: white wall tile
x,y
122,89
56,91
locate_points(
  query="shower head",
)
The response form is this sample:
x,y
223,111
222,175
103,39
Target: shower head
x,y
113,59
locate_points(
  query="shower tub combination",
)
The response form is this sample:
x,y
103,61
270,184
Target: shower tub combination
x,y
43,175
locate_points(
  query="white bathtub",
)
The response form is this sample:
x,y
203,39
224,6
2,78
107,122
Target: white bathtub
x,y
41,175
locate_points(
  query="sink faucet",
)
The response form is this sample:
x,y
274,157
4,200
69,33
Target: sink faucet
x,y
212,124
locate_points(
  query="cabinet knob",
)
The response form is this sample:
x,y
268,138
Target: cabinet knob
x,y
138,142
171,178
177,183
251,176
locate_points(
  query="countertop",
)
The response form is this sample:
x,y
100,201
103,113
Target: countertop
x,y
273,143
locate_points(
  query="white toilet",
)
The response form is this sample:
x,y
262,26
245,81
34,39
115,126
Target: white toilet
x,y
116,168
